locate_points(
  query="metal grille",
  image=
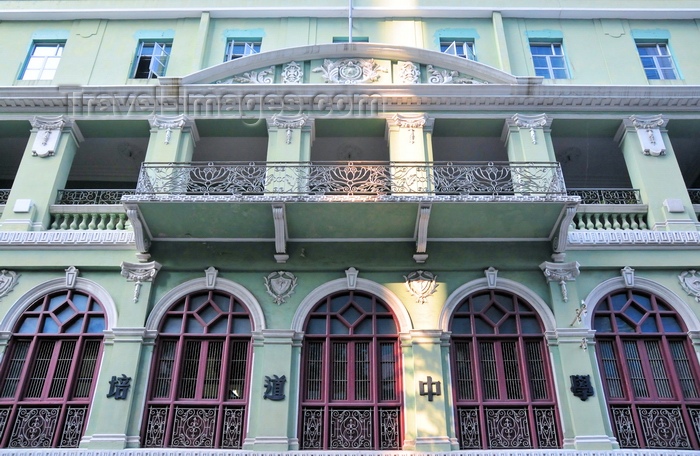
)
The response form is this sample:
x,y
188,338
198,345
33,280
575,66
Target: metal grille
x,y
388,387
86,373
351,178
463,361
213,370
362,371
606,195
194,427
63,367
350,429
389,429
546,428
96,196
156,422
12,377
634,365
164,371
41,369
658,370
314,370
469,432
312,428
237,369
535,370
73,427
663,428
683,369
233,428
611,374
625,427
339,382
4,195
34,427
508,428
694,194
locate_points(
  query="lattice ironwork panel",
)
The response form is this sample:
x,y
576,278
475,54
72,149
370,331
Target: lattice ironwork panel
x,y
73,427
695,419
312,428
351,429
233,428
508,428
624,424
156,423
546,425
663,427
97,196
469,430
389,429
34,427
606,195
194,427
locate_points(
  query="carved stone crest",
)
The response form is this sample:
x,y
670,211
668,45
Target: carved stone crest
x,y
350,71
561,273
48,134
649,134
421,284
280,285
690,282
581,386
8,280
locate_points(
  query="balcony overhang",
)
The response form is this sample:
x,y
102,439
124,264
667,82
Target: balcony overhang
x,y
323,210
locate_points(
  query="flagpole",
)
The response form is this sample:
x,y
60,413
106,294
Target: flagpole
x,y
350,21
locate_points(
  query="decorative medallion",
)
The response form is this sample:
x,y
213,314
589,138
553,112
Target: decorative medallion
x,y
440,76
264,76
581,386
292,73
409,73
350,71
690,282
280,285
139,273
421,284
8,280
561,272
274,388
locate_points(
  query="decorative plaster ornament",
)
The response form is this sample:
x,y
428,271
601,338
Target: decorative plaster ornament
x,y
350,71
351,275
71,276
170,123
211,274
288,123
139,273
628,276
409,73
280,285
649,134
8,280
561,272
531,122
411,122
292,73
441,76
421,284
581,386
491,277
264,76
48,135
690,282
580,313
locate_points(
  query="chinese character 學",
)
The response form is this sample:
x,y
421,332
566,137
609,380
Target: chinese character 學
x,y
581,386
119,387
274,387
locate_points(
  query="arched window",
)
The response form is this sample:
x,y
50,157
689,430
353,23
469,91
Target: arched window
x,y
199,378
502,383
351,384
49,369
650,372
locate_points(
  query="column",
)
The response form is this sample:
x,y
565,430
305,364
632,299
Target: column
x,y
528,138
653,169
173,139
289,141
274,393
121,384
581,400
429,421
44,170
411,141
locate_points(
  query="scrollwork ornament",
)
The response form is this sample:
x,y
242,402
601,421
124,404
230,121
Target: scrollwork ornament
x,y
280,285
8,280
292,73
263,76
561,273
48,134
139,273
288,123
649,134
421,284
442,76
690,282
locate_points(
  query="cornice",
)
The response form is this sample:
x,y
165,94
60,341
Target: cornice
x,y
235,101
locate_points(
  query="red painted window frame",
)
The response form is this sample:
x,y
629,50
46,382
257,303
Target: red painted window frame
x,y
470,313
48,310
607,311
328,310
185,310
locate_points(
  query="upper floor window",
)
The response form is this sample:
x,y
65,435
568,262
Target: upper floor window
x,y
549,60
657,61
460,48
49,370
43,61
237,48
151,59
355,39
650,371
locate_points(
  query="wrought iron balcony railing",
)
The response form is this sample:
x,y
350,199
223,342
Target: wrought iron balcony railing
x,y
284,179
4,194
694,194
91,196
606,195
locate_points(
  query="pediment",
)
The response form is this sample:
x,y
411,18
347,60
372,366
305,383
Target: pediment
x,y
353,63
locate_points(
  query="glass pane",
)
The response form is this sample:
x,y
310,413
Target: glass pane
x,y
623,326
28,325
30,75
337,303
44,50
50,326
223,302
338,327
603,324
386,326
557,62
47,75
194,327
668,74
80,302
505,301
173,324
652,74
634,314
365,303
365,327
530,325
540,50
540,62
57,301
198,301
671,324
482,327
461,325
648,62
542,72
241,326
52,63
560,74
508,326
479,302
316,326
96,325
35,63
75,327
646,50
649,325
619,301
219,327
665,62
